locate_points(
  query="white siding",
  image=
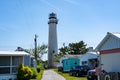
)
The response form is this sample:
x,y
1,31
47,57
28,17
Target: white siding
x,y
111,62
111,43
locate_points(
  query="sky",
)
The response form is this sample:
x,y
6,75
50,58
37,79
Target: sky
x,y
87,20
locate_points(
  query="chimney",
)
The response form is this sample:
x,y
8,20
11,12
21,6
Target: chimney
x,y
19,49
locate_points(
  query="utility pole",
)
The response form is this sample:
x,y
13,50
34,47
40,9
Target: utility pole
x,y
35,40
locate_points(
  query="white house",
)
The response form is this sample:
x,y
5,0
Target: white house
x,y
109,49
90,58
9,61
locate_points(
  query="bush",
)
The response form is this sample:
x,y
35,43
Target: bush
x,y
24,72
34,75
38,69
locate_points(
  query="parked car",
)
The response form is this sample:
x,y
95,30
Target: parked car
x,y
79,71
91,75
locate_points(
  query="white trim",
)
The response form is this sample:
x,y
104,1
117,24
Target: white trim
x,y
4,66
29,61
10,64
7,66
23,59
13,53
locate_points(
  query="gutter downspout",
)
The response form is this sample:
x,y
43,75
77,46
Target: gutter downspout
x,y
99,66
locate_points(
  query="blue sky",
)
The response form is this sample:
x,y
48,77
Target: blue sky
x,y
87,20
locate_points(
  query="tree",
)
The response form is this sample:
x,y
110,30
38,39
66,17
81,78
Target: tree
x,y
40,50
63,50
74,48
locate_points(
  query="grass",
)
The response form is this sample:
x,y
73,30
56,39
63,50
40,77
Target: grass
x,y
39,75
68,77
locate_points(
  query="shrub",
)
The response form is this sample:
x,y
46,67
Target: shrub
x,y
38,69
34,75
24,72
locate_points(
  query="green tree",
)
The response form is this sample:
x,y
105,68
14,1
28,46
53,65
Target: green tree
x,y
63,50
74,48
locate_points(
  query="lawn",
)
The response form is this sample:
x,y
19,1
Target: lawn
x,y
39,75
68,77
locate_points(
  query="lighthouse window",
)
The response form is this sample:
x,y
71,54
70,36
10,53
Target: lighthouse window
x,y
53,51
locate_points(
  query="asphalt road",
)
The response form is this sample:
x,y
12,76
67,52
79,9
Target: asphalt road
x,y
51,75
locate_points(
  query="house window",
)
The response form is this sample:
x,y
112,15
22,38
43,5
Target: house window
x,y
16,61
9,64
4,70
4,64
84,62
14,69
4,60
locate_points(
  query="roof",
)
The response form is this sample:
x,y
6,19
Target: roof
x,y
13,53
89,55
70,56
73,56
116,35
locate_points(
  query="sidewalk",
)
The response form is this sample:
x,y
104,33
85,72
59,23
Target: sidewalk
x,y
51,75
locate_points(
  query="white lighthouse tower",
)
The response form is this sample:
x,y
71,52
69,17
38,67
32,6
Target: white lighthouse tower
x,y
52,39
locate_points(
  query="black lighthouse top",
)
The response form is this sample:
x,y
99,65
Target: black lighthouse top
x,y
52,15
52,18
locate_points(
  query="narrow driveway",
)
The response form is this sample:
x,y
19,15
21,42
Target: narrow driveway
x,y
51,75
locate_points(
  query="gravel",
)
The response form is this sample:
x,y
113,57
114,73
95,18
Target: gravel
x,y
51,75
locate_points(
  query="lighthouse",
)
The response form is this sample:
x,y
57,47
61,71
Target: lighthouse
x,y
52,39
